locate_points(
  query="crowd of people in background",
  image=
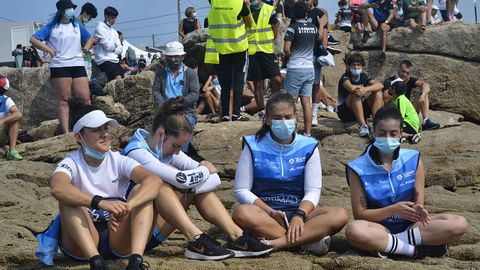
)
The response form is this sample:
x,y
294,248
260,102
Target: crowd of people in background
x,y
118,205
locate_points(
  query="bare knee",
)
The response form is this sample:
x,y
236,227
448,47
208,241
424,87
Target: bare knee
x,y
459,226
341,216
243,215
355,232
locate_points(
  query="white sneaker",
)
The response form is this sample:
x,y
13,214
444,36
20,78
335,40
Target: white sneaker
x,y
364,132
318,248
330,109
322,106
314,121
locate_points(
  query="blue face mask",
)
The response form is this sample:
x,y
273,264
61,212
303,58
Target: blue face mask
x,y
386,145
70,13
283,129
92,153
254,2
85,21
159,152
356,71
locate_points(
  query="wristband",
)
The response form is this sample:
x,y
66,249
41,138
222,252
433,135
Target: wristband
x,y
95,201
301,214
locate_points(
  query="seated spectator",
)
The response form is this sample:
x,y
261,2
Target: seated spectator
x,y
278,184
192,182
381,21
359,18
414,14
387,192
359,95
421,101
436,17
344,16
10,118
177,80
394,93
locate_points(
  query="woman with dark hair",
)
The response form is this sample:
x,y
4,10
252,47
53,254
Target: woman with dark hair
x,y
189,24
387,191
193,182
64,35
278,183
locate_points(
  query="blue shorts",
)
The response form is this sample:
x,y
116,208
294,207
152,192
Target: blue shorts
x,y
299,81
394,228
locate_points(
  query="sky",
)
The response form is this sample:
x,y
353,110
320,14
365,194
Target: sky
x,y
139,19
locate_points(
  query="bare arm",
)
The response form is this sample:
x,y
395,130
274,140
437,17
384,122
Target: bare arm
x,y
180,29
42,46
89,44
62,190
424,86
15,114
286,48
374,86
248,20
149,187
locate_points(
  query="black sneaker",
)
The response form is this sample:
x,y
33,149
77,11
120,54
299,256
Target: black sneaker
x,y
135,262
366,36
248,245
225,118
430,251
429,125
382,57
97,263
206,248
240,118
332,40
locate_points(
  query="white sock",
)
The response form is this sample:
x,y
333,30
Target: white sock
x,y
399,247
242,109
315,108
424,121
411,236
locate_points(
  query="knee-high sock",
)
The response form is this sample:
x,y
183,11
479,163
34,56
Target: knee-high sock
x,y
397,246
411,236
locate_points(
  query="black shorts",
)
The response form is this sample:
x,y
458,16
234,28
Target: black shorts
x,y
356,16
246,100
408,129
346,114
68,72
346,28
262,66
111,69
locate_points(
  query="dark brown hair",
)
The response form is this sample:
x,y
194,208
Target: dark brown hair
x,y
171,116
356,58
282,97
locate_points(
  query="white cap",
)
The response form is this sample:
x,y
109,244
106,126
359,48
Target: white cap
x,y
174,48
396,80
434,7
93,119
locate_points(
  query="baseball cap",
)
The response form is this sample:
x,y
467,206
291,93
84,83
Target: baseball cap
x,y
93,119
4,83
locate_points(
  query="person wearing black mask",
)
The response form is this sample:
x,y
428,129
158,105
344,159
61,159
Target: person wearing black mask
x,y
176,79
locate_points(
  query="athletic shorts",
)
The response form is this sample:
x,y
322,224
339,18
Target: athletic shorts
x,y
346,114
408,129
111,69
68,72
262,66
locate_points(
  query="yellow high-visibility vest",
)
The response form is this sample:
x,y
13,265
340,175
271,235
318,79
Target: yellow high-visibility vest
x,y
260,35
226,33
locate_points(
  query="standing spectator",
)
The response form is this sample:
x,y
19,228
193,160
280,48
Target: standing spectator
x,y
64,35
18,55
36,59
109,46
10,117
142,60
344,16
88,13
414,14
189,24
263,63
177,80
148,59
421,101
228,49
131,57
299,42
359,95
435,18
27,57
382,20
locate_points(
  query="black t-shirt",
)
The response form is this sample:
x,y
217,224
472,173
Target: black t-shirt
x,y
256,12
343,92
409,86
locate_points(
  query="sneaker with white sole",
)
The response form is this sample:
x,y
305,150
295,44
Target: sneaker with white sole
x,y
364,131
318,248
248,245
206,248
314,121
322,106
330,109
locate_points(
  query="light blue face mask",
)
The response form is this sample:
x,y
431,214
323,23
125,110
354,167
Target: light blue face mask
x,y
159,152
254,2
386,145
85,21
283,129
92,153
70,13
356,71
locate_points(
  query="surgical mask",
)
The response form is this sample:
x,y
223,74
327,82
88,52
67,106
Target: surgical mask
x,y
174,63
194,14
356,71
85,20
109,23
283,129
254,2
70,13
386,145
159,152
92,153
215,81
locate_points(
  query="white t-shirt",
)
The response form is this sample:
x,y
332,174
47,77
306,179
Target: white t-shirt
x,y
8,105
108,180
183,172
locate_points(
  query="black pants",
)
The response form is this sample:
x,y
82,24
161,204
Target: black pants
x,y
231,74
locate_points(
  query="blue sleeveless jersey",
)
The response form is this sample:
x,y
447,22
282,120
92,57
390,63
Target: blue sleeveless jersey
x,y
279,170
383,187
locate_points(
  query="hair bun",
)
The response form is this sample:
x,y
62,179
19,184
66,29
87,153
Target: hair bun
x,y
173,106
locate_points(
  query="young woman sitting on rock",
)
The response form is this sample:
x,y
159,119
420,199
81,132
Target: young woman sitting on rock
x,y
193,182
278,183
387,193
97,221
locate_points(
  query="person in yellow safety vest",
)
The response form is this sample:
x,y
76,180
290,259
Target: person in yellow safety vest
x,y
226,47
263,63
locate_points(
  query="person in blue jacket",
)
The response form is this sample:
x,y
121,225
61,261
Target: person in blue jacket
x,y
278,183
387,186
